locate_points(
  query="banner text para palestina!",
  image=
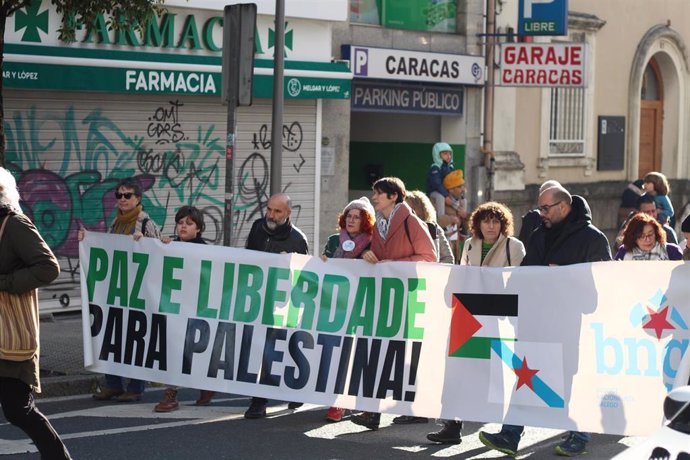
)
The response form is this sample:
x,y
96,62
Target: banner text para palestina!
x,y
127,337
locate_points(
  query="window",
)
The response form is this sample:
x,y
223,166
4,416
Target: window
x,y
567,121
424,15
567,117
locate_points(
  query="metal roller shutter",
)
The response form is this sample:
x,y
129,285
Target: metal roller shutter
x,y
68,150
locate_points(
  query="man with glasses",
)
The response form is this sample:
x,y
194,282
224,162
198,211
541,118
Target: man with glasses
x,y
566,236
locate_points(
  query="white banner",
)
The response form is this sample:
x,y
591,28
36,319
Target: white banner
x,y
591,347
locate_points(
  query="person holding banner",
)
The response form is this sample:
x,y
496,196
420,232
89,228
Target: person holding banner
x,y
399,235
421,205
356,225
644,239
189,227
275,233
130,219
492,245
26,263
566,236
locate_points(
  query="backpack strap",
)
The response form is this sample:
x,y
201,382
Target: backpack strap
x,y
407,230
143,226
432,229
508,250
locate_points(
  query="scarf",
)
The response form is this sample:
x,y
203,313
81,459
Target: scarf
x,y
125,223
382,223
361,241
658,252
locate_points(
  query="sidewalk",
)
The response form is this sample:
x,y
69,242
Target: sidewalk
x,y
62,357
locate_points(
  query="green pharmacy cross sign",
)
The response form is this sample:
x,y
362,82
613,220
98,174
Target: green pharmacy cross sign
x,y
32,21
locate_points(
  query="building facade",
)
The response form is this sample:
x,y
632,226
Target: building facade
x,y
418,76
629,119
81,116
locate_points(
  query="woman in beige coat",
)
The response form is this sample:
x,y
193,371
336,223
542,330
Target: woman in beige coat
x,y
492,245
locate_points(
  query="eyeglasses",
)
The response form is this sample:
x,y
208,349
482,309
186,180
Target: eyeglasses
x,y
544,209
647,236
353,217
126,195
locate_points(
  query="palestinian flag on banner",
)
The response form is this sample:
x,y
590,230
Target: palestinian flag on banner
x,y
479,319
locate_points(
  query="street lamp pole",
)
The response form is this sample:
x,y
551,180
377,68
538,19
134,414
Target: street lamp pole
x,y
488,144
278,100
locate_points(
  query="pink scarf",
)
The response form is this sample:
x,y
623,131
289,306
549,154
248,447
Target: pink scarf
x,y
361,242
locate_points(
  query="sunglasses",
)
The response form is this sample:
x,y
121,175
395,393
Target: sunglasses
x,y
126,195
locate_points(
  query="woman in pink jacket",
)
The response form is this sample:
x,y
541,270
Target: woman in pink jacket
x,y
399,235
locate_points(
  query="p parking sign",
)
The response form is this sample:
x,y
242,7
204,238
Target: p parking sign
x,y
543,17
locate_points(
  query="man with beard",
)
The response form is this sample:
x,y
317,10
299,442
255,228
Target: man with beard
x,y
565,236
275,233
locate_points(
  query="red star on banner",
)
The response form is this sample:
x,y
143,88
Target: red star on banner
x,y
658,321
524,375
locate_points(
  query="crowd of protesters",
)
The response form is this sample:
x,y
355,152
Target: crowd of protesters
x,y
401,225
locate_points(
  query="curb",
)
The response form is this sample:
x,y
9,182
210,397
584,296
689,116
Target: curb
x,y
68,385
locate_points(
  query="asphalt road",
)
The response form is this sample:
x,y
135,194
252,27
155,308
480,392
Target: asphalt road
x,y
95,430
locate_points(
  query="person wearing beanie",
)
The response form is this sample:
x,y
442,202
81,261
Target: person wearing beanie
x,y
454,216
441,165
355,228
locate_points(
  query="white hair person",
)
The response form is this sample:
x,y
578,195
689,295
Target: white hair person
x,y
9,195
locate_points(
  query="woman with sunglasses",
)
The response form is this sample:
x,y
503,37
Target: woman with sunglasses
x,y
645,239
130,219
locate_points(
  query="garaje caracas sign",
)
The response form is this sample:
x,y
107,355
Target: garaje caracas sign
x,y
544,64
562,347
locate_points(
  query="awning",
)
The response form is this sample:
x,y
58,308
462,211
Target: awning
x,y
83,69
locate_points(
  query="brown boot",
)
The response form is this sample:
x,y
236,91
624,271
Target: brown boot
x,y
205,397
169,402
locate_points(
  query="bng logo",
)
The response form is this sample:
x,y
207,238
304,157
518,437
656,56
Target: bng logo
x,y
666,342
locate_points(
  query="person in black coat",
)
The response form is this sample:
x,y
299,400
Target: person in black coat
x,y
532,219
274,233
566,236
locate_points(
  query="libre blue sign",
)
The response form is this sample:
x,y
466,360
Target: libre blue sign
x,y
543,17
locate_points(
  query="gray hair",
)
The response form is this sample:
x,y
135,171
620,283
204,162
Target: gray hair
x,y
9,195
549,184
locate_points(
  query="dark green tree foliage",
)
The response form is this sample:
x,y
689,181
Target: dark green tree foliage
x,y
79,14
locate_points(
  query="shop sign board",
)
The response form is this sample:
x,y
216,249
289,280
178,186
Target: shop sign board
x,y
543,64
369,96
543,17
404,65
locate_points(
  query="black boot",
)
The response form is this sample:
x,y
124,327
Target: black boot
x,y
368,419
449,434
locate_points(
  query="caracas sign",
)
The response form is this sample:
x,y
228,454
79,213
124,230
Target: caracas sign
x,y
543,64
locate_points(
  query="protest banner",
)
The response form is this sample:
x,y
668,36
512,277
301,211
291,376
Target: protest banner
x,y
592,347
